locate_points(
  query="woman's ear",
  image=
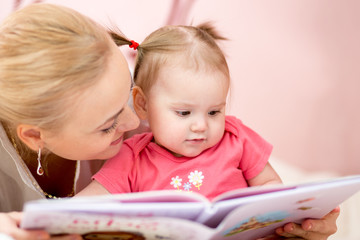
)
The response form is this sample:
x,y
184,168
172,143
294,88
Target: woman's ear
x,y
30,135
140,102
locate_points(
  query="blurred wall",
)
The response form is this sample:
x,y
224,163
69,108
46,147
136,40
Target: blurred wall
x,y
295,78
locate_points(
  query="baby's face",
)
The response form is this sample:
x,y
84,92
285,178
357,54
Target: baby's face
x,y
186,109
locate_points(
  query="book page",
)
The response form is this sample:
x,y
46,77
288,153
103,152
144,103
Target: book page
x,y
186,210
140,227
212,217
260,216
244,192
148,196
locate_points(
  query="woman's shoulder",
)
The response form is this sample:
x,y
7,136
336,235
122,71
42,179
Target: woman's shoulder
x,y
16,186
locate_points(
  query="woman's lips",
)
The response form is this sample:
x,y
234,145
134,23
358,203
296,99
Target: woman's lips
x,y
117,141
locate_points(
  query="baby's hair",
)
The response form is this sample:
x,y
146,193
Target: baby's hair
x,y
118,37
208,28
163,46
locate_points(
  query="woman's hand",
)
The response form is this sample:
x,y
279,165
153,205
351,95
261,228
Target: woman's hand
x,y
311,229
9,225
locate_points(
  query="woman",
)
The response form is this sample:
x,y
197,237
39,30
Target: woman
x,y
64,88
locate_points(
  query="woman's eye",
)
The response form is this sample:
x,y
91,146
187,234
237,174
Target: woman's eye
x,y
111,128
183,113
213,113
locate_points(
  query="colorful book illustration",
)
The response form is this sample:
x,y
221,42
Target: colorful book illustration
x,y
172,215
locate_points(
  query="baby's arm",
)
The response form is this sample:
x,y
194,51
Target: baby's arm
x,y
94,188
267,176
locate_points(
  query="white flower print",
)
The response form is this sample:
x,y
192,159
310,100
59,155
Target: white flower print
x,y
196,178
187,186
176,181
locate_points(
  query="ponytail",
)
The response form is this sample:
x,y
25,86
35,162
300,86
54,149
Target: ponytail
x,y
208,28
118,38
121,40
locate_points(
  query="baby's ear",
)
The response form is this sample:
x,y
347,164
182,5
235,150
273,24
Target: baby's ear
x,y
140,102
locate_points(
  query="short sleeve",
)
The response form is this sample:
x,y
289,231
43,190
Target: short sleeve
x,y
256,150
256,153
114,175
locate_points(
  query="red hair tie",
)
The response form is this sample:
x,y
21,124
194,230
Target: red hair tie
x,y
133,44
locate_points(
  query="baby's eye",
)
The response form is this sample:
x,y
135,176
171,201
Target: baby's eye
x,y
213,113
183,113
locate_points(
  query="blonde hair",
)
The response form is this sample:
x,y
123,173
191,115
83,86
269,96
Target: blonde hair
x,y
196,45
48,55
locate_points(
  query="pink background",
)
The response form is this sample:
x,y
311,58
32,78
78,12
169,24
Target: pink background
x,y
295,78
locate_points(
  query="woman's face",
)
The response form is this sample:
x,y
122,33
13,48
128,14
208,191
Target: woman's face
x,y
100,116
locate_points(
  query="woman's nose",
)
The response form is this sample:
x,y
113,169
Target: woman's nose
x,y
130,120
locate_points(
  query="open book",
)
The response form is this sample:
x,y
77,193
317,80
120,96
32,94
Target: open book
x,y
240,214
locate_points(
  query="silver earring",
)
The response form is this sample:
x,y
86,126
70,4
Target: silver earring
x,y
40,170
